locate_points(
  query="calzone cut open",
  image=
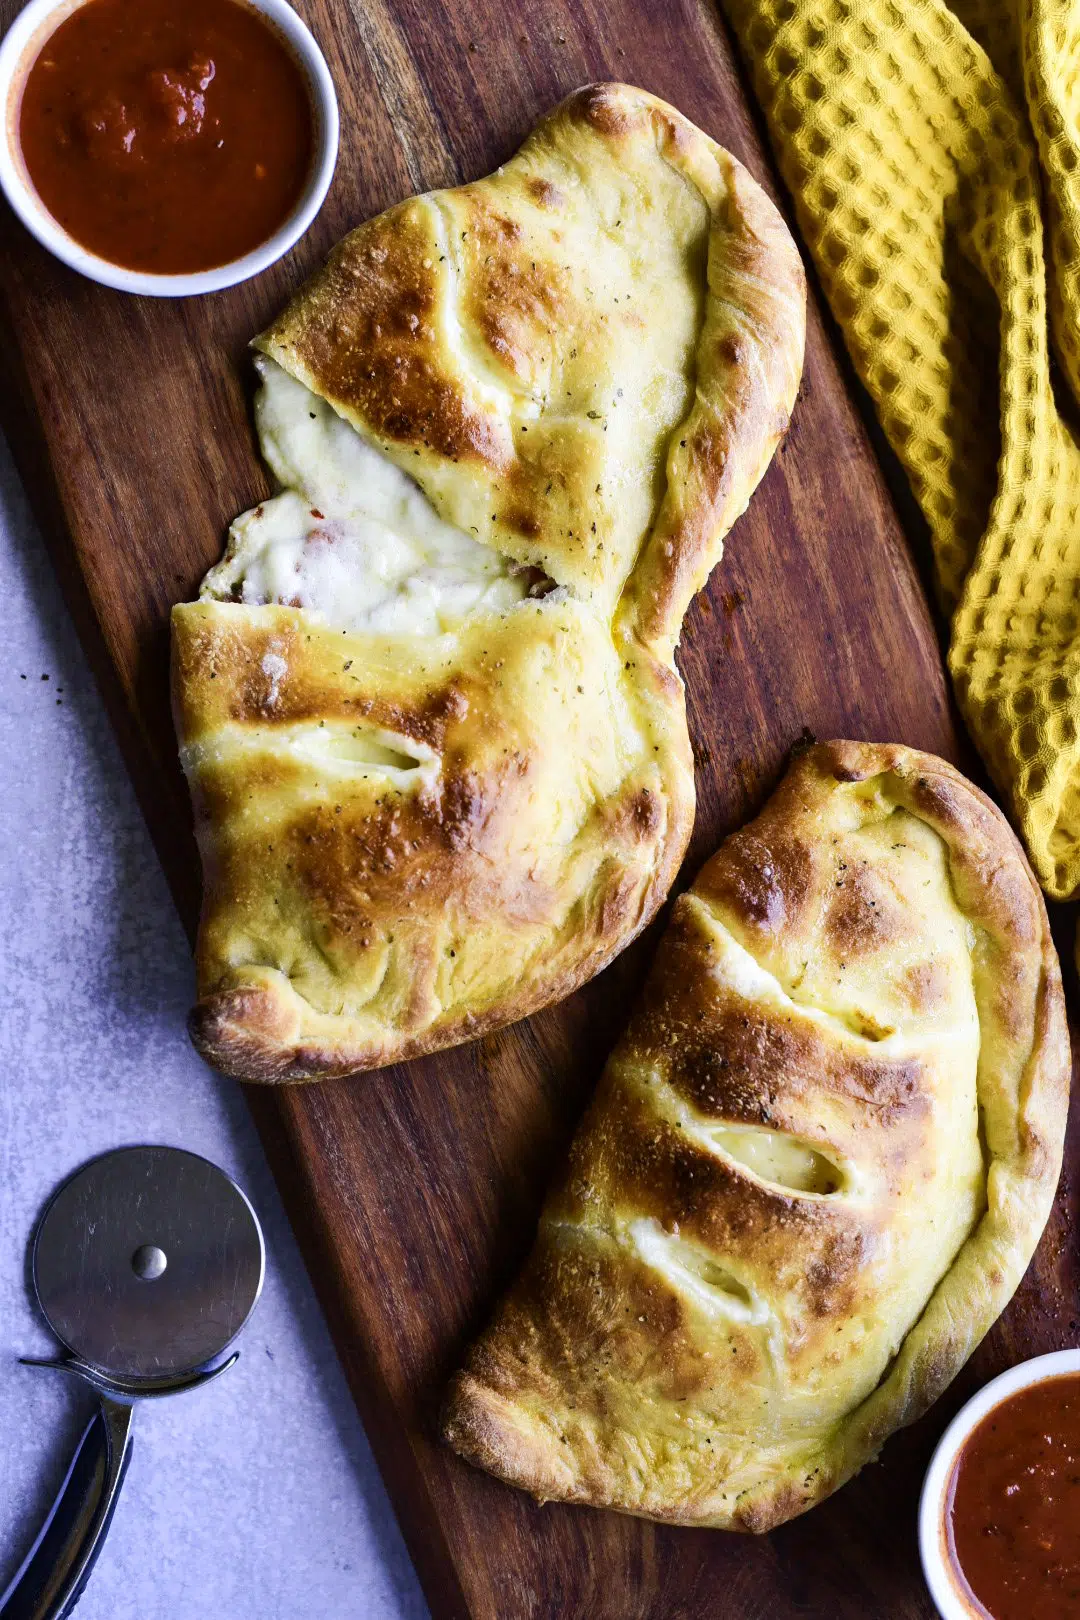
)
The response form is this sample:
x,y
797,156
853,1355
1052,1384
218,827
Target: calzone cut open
x,y
816,1167
427,704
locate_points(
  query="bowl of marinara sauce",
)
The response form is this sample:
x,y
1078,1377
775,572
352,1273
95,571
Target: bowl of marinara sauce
x,y
999,1519
165,147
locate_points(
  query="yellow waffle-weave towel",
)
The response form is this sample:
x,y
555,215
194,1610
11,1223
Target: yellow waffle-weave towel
x,y
934,156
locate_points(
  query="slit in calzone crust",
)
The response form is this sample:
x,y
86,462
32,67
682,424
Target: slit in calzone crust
x,y
512,424
719,1338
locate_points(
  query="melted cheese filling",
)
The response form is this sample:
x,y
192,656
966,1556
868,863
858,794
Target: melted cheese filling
x,y
773,1156
351,539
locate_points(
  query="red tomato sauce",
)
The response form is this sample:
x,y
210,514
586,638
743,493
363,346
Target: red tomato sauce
x,y
1013,1511
166,135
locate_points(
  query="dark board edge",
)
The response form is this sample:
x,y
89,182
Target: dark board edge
x,y
174,844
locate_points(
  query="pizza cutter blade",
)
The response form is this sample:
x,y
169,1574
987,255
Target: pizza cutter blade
x,y
146,1264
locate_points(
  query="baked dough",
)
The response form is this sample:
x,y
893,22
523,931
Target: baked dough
x,y
442,777
817,1165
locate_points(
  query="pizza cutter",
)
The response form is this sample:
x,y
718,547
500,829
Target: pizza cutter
x,y
146,1265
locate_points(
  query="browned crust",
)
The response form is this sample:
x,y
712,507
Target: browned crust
x,y
352,868
366,334
239,1032
244,1032
362,332
749,368
566,1337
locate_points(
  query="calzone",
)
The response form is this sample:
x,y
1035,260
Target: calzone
x,y
427,704
817,1165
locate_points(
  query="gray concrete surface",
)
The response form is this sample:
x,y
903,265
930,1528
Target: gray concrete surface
x,y
256,1498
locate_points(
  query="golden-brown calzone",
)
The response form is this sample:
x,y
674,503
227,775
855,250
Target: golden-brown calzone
x,y
817,1165
427,703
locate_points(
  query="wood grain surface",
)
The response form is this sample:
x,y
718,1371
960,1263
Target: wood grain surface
x,y
414,1191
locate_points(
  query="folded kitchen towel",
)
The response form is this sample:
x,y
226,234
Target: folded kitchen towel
x,y
934,156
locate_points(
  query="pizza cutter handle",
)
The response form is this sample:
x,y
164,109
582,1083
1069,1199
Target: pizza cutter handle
x,y
57,1567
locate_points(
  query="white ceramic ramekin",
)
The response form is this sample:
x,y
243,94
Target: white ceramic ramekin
x,y
947,1591
20,47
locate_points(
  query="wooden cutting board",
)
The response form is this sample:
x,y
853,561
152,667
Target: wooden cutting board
x,y
414,1191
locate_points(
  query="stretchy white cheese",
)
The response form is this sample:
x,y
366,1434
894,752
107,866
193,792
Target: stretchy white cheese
x,y
351,539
